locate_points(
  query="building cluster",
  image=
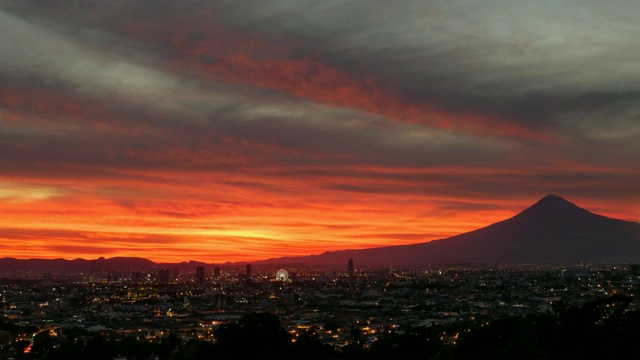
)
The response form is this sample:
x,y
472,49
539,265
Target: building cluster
x,y
337,305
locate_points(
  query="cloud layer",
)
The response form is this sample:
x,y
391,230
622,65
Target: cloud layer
x,y
243,131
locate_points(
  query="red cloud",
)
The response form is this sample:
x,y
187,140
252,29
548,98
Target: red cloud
x,y
218,54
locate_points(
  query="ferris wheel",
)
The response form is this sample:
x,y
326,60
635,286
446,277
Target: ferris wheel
x,y
282,275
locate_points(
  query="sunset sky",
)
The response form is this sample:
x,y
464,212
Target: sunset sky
x,y
246,130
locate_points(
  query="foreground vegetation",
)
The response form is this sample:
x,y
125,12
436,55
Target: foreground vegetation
x,y
601,328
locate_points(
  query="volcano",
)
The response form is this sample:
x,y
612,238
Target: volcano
x,y
551,230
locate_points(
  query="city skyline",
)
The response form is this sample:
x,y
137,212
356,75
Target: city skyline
x,y
220,131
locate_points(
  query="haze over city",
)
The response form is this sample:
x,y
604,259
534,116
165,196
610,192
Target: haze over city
x,y
241,131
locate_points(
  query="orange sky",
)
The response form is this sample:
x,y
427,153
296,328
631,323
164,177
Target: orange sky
x,y
219,132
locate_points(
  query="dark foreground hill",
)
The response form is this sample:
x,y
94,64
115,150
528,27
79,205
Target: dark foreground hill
x,y
552,230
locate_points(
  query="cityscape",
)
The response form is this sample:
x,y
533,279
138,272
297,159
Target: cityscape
x,y
304,179
322,312
419,304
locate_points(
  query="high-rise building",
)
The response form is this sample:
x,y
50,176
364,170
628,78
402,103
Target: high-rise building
x,y
200,275
138,277
164,276
154,274
94,267
216,272
249,271
350,269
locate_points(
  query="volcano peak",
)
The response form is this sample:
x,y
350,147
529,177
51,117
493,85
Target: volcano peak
x,y
553,205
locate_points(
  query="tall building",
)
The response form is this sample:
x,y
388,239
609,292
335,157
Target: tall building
x,y
350,269
164,276
216,272
138,277
249,271
46,278
94,267
200,275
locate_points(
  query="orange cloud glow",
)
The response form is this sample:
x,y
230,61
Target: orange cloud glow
x,y
219,132
176,221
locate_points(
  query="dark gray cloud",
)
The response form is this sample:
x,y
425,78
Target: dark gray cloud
x,y
535,64
542,65
453,103
528,61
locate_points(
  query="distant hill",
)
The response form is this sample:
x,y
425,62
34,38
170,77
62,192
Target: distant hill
x,y
551,230
76,265
34,268
96,266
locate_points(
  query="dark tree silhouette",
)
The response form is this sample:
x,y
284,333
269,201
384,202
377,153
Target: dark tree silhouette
x,y
309,346
414,343
598,329
258,335
42,344
168,345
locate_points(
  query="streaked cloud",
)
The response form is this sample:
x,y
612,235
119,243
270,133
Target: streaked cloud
x,y
255,130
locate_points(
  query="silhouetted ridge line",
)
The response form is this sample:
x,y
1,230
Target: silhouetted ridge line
x,y
554,205
551,230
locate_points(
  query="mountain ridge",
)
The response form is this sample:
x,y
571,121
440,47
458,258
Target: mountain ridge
x,y
550,221
551,230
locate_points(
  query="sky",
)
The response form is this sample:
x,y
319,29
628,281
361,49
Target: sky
x,y
244,130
